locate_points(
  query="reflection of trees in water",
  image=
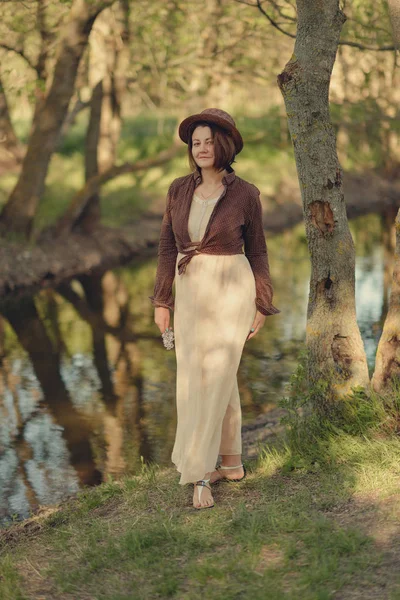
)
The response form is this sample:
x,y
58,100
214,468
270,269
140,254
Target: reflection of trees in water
x,y
117,360
105,307
45,360
389,246
17,459
34,458
108,296
374,232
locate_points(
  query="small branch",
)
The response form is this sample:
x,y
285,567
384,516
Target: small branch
x,y
94,183
20,52
273,22
389,48
281,13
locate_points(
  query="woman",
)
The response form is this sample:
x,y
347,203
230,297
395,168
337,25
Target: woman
x,y
222,297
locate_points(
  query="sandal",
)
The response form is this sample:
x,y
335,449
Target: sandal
x,y
202,483
223,478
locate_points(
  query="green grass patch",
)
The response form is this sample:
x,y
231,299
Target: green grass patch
x,y
282,530
10,580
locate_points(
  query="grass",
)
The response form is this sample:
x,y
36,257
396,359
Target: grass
x,y
290,531
317,518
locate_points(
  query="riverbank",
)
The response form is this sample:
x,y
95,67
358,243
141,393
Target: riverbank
x,y
294,529
27,267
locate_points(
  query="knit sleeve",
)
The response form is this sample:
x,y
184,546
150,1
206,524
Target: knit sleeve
x,y
255,248
167,253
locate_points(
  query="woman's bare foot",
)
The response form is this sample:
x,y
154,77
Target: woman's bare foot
x,y
206,498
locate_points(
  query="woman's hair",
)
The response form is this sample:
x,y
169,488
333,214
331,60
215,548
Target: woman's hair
x,y
224,147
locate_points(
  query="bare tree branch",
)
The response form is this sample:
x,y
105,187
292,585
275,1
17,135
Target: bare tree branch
x,y
273,22
94,183
20,52
281,13
388,48
359,46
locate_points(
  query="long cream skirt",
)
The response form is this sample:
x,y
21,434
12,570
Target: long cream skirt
x,y
214,312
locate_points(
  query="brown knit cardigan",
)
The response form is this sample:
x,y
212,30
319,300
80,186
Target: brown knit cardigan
x,y
236,220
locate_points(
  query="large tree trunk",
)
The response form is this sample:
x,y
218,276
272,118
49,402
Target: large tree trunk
x,y
335,347
20,209
387,365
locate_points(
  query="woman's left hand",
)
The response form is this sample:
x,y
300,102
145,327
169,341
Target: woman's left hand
x,y
258,322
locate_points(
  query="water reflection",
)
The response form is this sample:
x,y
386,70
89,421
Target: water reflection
x,y
87,389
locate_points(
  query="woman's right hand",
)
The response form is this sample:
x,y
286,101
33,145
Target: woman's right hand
x,y
161,318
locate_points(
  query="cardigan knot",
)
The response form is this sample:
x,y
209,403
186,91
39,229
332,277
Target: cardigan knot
x,y
185,260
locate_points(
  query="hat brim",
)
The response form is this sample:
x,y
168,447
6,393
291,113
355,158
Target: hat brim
x,y
186,123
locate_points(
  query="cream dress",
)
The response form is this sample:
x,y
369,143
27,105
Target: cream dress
x,y
214,312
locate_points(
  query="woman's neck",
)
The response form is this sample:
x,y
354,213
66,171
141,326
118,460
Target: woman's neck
x,y
210,177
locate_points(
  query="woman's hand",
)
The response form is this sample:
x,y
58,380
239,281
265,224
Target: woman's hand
x,y
258,322
162,318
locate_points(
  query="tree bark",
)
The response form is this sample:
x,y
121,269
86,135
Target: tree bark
x,y
387,364
394,12
10,146
337,359
19,212
90,215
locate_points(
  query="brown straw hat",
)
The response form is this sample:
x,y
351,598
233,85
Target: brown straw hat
x,y
213,115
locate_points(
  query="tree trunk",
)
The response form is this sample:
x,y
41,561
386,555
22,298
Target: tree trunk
x,y
387,364
10,147
394,12
109,63
337,358
90,215
19,212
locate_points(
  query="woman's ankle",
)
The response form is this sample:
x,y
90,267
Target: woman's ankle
x,y
231,460
206,476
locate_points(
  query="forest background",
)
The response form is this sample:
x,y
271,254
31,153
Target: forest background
x,y
91,94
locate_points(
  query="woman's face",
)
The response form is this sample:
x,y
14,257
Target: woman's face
x,y
203,146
